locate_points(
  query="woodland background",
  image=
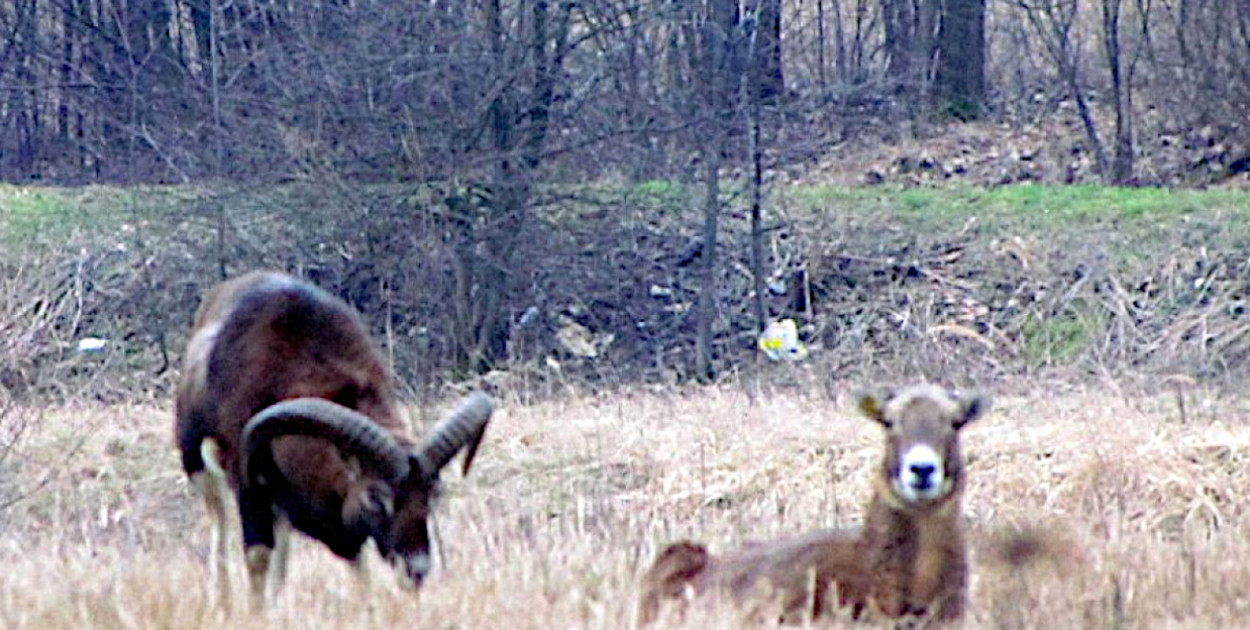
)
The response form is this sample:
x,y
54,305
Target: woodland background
x,y
626,190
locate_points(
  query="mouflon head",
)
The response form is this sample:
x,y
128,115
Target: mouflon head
x,y
922,464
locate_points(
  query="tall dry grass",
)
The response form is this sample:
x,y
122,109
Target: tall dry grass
x,y
1135,519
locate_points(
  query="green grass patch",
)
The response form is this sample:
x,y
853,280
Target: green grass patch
x,y
657,187
661,195
26,213
1075,202
1040,205
1127,224
32,217
1055,340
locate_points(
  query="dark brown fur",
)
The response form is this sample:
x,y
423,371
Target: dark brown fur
x,y
266,337
909,558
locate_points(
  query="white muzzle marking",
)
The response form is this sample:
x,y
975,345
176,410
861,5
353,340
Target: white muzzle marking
x,y
921,474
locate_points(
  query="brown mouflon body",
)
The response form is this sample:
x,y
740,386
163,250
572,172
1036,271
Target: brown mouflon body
x,y
286,403
792,577
913,539
909,557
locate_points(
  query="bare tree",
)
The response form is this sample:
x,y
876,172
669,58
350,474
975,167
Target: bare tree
x,y
519,116
717,52
910,29
21,120
754,97
959,74
767,54
1123,68
1054,22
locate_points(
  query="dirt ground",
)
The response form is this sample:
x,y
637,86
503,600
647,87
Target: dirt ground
x,y
1142,511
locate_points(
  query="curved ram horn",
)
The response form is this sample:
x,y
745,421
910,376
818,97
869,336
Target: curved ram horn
x,y
465,427
350,431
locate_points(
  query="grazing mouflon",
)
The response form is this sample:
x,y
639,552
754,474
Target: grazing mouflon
x,y
286,402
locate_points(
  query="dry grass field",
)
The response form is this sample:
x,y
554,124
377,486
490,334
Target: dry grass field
x,y
1144,521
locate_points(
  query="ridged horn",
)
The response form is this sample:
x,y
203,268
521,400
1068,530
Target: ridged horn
x,y
465,427
352,432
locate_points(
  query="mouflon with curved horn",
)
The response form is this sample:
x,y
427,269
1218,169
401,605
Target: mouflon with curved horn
x,y
285,402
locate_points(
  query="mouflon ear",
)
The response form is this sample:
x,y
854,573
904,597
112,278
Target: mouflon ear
x,y
871,403
972,405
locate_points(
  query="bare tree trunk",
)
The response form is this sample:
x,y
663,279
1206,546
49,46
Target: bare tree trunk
x,y
767,53
68,37
724,59
21,117
72,101
959,78
1122,72
480,278
898,22
864,25
1053,20
1087,118
718,32
682,69
706,315
518,120
909,28
1122,165
821,45
754,95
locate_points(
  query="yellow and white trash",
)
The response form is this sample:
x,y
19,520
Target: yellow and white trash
x,y
780,341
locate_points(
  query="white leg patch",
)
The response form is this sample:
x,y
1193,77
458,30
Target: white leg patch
x,y
213,487
280,557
